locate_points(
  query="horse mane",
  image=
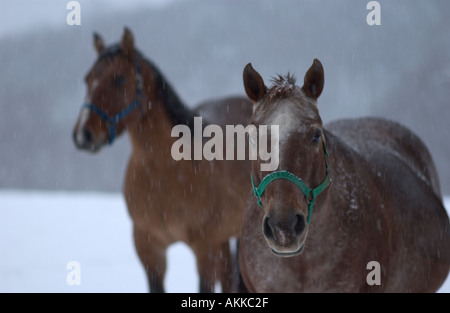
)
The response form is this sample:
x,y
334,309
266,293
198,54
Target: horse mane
x,y
282,87
110,51
178,112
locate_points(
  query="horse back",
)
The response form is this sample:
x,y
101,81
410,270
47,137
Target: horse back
x,y
370,136
226,111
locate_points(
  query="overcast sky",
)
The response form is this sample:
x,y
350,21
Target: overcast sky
x,y
24,15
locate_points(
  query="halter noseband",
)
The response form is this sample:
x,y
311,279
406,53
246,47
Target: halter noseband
x,y
111,121
310,194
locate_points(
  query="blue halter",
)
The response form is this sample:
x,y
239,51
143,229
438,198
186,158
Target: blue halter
x,y
111,121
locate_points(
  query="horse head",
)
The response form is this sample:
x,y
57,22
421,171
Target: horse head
x,y
287,195
114,91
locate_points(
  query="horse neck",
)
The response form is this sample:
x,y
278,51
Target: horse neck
x,y
161,110
324,205
344,164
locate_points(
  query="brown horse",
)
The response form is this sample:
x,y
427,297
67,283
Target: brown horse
x,y
383,205
197,202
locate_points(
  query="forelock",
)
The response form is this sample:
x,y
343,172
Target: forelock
x,y
283,87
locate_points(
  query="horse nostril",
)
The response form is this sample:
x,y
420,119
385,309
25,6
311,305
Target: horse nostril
x,y
87,136
300,224
267,228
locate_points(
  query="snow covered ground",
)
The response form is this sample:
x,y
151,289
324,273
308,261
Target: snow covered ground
x,y
41,232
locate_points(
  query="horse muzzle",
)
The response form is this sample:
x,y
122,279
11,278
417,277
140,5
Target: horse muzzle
x,y
85,139
288,254
285,237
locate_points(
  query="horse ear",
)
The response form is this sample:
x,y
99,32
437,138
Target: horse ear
x,y
253,84
98,43
314,80
127,43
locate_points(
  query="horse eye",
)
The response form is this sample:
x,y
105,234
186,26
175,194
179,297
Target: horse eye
x,y
316,136
119,80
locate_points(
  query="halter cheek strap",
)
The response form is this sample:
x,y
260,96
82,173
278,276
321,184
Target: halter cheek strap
x,y
310,194
111,121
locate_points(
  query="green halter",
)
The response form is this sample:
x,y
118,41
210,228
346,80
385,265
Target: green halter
x,y
310,194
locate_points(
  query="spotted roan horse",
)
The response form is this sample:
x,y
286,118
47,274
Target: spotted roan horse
x,y
344,195
197,202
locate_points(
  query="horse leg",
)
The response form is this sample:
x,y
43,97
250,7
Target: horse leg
x,y
229,272
206,266
215,263
153,256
